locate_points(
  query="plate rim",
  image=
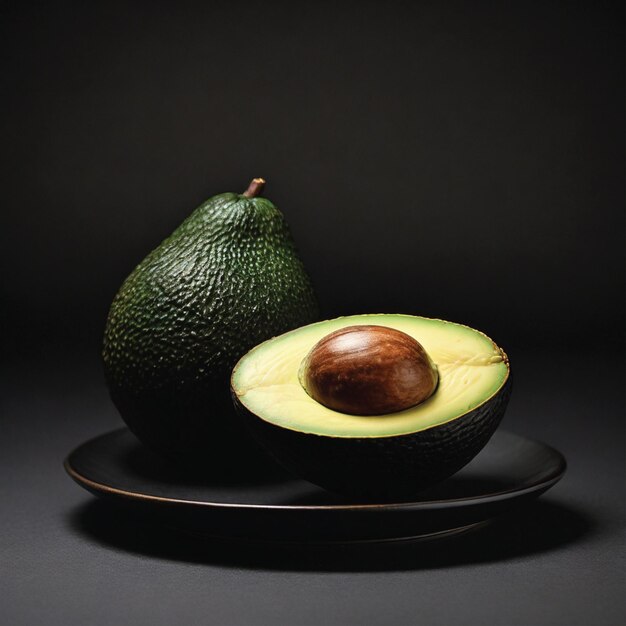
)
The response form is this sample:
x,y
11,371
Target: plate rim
x,y
498,496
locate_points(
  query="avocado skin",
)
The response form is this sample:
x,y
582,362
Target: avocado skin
x,y
382,468
226,279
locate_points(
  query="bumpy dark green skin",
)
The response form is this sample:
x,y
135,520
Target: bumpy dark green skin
x,y
382,468
227,279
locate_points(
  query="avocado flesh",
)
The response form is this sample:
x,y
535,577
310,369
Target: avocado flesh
x,y
226,279
402,453
471,370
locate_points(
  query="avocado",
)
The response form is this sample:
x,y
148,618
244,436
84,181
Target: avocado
x,y
389,456
226,279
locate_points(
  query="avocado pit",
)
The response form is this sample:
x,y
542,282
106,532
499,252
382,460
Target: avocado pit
x,y
368,370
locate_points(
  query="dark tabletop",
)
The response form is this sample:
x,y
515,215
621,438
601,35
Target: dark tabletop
x,y
71,559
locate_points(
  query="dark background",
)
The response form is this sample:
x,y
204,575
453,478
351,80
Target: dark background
x,y
461,160
456,160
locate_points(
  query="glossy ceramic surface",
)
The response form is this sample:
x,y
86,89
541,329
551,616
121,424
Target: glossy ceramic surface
x,y
270,505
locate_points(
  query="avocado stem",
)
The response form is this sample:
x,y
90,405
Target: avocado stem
x,y
255,188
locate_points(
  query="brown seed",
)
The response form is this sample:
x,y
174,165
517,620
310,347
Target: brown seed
x,y
368,370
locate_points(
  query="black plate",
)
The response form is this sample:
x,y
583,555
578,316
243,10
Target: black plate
x,y
274,506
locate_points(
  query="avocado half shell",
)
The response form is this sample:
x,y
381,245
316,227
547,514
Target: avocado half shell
x,y
387,457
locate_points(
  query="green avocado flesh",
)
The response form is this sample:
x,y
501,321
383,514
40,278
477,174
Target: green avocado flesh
x,y
471,370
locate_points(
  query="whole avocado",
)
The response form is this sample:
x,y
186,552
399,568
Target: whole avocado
x,y
226,279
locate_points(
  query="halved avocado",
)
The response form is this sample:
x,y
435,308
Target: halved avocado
x,y
388,456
